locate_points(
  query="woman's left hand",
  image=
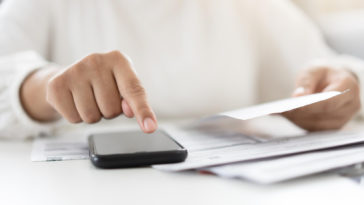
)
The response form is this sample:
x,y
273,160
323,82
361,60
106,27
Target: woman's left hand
x,y
332,113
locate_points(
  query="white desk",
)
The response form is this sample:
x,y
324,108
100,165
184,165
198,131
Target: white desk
x,y
78,182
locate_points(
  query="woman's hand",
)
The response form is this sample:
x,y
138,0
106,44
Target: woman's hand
x,y
332,113
98,86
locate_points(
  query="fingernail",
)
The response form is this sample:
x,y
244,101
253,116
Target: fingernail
x,y
149,124
299,91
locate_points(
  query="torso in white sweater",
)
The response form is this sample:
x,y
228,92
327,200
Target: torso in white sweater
x,y
194,57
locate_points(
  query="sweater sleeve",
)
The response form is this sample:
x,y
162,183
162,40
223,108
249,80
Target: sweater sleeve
x,y
356,66
24,32
14,121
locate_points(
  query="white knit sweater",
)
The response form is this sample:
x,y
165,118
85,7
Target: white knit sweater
x,y
194,57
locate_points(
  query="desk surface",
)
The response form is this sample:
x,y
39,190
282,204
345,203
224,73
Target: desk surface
x,y
78,182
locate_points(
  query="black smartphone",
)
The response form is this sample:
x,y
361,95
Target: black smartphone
x,y
133,149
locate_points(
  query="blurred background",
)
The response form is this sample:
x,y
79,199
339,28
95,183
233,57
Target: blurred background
x,y
341,21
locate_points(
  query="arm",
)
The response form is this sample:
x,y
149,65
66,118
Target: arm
x,y
299,44
33,92
98,86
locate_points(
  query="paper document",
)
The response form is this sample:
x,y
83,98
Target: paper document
x,y
279,106
209,145
59,149
288,167
252,151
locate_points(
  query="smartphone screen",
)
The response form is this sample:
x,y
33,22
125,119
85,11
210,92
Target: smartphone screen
x,y
132,142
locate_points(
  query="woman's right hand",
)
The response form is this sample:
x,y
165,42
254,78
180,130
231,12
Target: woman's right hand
x,y
100,86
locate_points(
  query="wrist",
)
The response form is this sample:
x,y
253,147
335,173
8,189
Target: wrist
x,y
33,95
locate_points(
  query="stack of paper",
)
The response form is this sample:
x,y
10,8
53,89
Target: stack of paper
x,y
288,167
248,143
230,145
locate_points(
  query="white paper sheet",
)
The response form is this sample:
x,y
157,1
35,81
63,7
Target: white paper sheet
x,y
289,167
279,106
59,149
277,147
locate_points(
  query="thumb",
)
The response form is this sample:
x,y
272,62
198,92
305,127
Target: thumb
x,y
307,82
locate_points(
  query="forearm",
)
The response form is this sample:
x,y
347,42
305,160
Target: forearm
x,y
33,95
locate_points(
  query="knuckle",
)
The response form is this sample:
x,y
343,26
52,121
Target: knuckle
x,y
93,60
134,88
87,66
115,54
74,119
56,83
119,58
77,71
54,87
144,110
91,117
111,112
347,81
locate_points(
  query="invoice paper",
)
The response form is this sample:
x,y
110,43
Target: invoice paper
x,y
59,149
260,150
283,168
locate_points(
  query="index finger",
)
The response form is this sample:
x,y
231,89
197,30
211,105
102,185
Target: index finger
x,y
133,92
